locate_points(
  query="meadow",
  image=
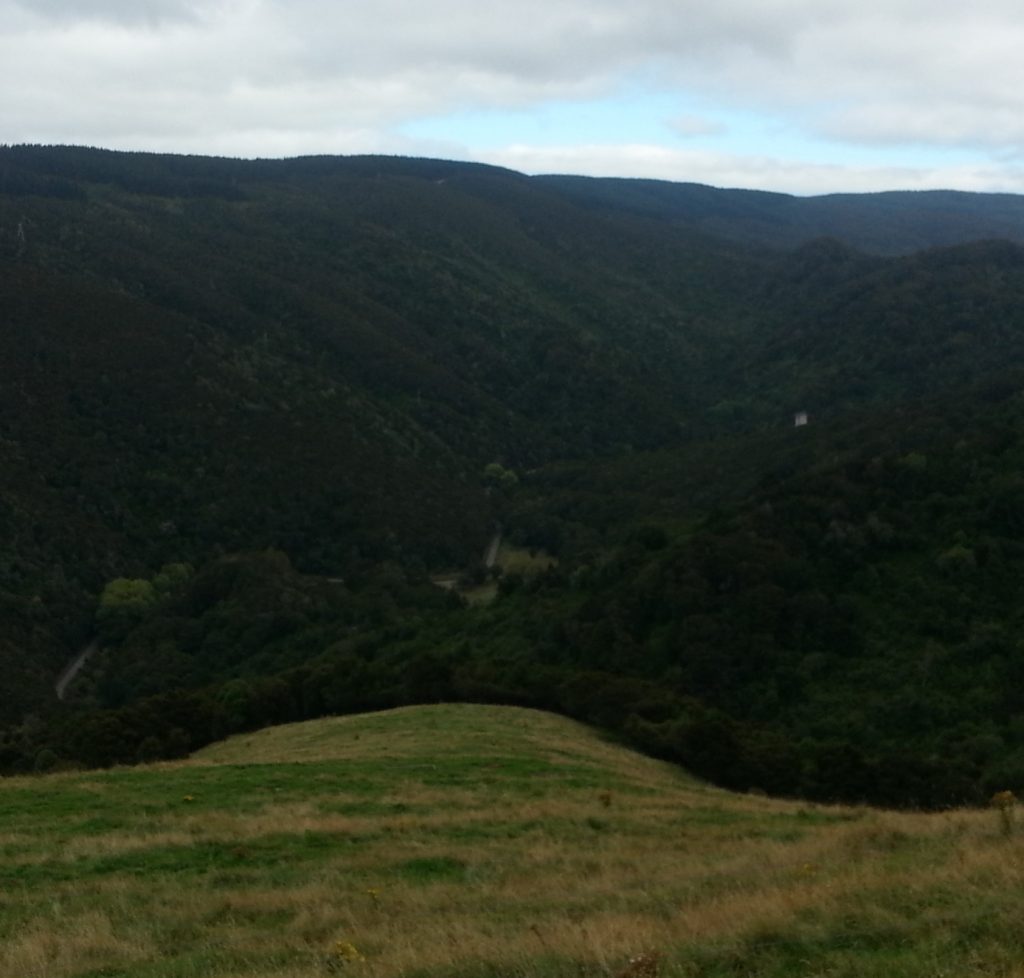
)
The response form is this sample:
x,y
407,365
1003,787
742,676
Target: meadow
x,y
483,842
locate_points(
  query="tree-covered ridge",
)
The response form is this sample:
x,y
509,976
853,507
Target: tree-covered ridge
x,y
895,222
890,223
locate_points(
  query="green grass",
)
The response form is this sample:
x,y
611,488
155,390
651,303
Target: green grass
x,y
465,841
519,560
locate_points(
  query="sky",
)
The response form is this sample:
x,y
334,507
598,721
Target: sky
x,y
801,96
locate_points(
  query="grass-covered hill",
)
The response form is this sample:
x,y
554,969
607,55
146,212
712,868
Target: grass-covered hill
x,y
479,841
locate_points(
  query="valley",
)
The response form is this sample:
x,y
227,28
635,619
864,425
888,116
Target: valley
x,y
251,412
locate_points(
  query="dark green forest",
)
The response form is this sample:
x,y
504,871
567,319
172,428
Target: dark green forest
x,y
250,410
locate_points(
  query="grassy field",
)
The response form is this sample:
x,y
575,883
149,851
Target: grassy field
x,y
480,841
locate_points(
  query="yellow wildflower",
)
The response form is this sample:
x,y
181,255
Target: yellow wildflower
x,y
347,951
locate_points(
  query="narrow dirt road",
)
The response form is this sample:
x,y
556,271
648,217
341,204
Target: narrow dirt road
x,y
491,553
74,667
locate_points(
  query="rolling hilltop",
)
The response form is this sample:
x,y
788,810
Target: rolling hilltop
x,y
469,841
251,412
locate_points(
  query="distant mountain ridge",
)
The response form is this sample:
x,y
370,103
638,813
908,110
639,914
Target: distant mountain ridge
x,y
889,222
895,222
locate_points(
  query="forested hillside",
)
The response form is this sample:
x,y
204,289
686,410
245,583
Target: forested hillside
x,y
249,408
204,356
893,223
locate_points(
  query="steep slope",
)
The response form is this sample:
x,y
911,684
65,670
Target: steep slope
x,y
133,436
841,331
862,604
202,356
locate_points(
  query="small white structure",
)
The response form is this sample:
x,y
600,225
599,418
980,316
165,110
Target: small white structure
x,y
800,419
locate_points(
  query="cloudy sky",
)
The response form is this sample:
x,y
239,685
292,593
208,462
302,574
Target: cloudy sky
x,y
806,96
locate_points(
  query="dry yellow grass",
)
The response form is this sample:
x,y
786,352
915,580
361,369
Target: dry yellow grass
x,y
482,841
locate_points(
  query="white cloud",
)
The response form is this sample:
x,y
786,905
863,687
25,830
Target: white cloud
x,y
997,128
130,12
267,76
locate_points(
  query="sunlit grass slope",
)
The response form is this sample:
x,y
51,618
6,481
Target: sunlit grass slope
x,y
479,841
